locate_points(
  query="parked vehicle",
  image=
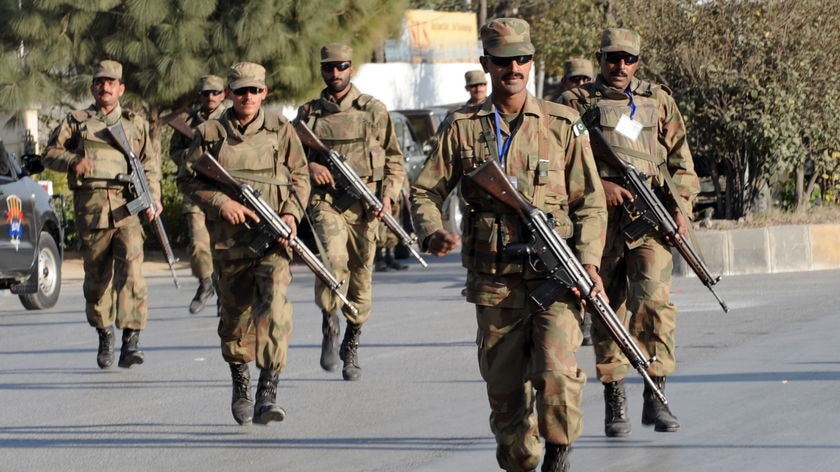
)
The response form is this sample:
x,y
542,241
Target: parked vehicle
x,y
410,146
425,123
31,234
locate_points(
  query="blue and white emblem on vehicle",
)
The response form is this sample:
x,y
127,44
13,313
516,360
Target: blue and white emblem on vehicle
x,y
14,216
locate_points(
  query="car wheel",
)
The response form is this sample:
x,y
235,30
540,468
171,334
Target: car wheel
x,y
49,276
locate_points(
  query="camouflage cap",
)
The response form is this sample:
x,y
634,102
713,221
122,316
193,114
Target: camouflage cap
x,y
211,82
578,67
246,74
108,69
475,77
507,37
336,52
620,39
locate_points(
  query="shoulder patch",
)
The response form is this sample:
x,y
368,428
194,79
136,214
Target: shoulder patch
x,y
579,128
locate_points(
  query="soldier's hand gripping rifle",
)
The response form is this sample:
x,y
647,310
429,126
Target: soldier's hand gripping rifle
x,y
271,226
563,270
353,186
648,213
138,185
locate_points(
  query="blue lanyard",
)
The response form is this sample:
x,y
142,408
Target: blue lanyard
x,y
506,143
632,104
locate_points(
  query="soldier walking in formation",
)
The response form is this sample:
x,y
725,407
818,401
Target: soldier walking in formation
x,y
261,149
211,95
359,127
641,122
526,354
112,239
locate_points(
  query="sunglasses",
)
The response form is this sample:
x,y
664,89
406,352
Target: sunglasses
x,y
580,79
243,90
616,57
208,93
329,66
505,61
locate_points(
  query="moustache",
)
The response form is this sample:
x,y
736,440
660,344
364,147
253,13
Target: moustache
x,y
513,75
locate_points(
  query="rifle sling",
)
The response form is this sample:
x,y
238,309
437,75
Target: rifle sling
x,y
256,178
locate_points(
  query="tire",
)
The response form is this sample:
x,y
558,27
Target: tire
x,y
49,276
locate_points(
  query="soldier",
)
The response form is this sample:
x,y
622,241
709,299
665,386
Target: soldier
x,y
260,148
642,123
112,239
545,151
576,72
476,86
211,95
358,126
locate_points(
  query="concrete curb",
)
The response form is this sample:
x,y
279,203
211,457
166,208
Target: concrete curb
x,y
771,249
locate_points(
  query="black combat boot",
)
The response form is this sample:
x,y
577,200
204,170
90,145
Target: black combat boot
x,y
379,263
105,356
204,292
265,411
329,345
556,458
241,404
656,413
349,352
586,329
616,424
130,352
392,261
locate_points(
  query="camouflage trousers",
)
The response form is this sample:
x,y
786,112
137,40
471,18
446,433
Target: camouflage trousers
x,y
349,239
385,237
114,288
201,258
637,279
255,314
534,385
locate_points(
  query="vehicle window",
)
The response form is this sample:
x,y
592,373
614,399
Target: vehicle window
x,y
5,165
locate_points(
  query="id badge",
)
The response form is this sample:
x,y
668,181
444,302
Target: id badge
x,y
628,128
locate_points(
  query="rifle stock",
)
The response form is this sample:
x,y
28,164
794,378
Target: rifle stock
x,y
354,187
271,226
176,121
563,269
648,213
138,185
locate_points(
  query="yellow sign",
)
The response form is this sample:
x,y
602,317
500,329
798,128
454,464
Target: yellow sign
x,y
442,36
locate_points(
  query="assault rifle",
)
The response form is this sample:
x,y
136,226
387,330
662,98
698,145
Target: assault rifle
x,y
353,186
563,270
271,226
138,185
648,213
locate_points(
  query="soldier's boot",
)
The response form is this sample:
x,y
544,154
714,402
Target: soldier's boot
x,y
204,292
241,404
379,263
265,410
130,352
349,353
656,413
616,423
392,261
329,345
105,356
586,329
556,458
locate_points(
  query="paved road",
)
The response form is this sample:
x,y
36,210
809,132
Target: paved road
x,y
756,389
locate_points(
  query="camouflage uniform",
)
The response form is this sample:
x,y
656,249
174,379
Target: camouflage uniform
x,y
637,276
112,240
519,345
360,128
201,262
256,315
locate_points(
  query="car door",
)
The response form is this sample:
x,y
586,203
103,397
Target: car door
x,y
17,201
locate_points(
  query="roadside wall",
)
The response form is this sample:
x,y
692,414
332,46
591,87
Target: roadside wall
x,y
772,249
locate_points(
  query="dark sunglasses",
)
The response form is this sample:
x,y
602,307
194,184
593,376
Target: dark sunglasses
x,y
616,57
505,61
208,93
243,90
580,79
329,66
